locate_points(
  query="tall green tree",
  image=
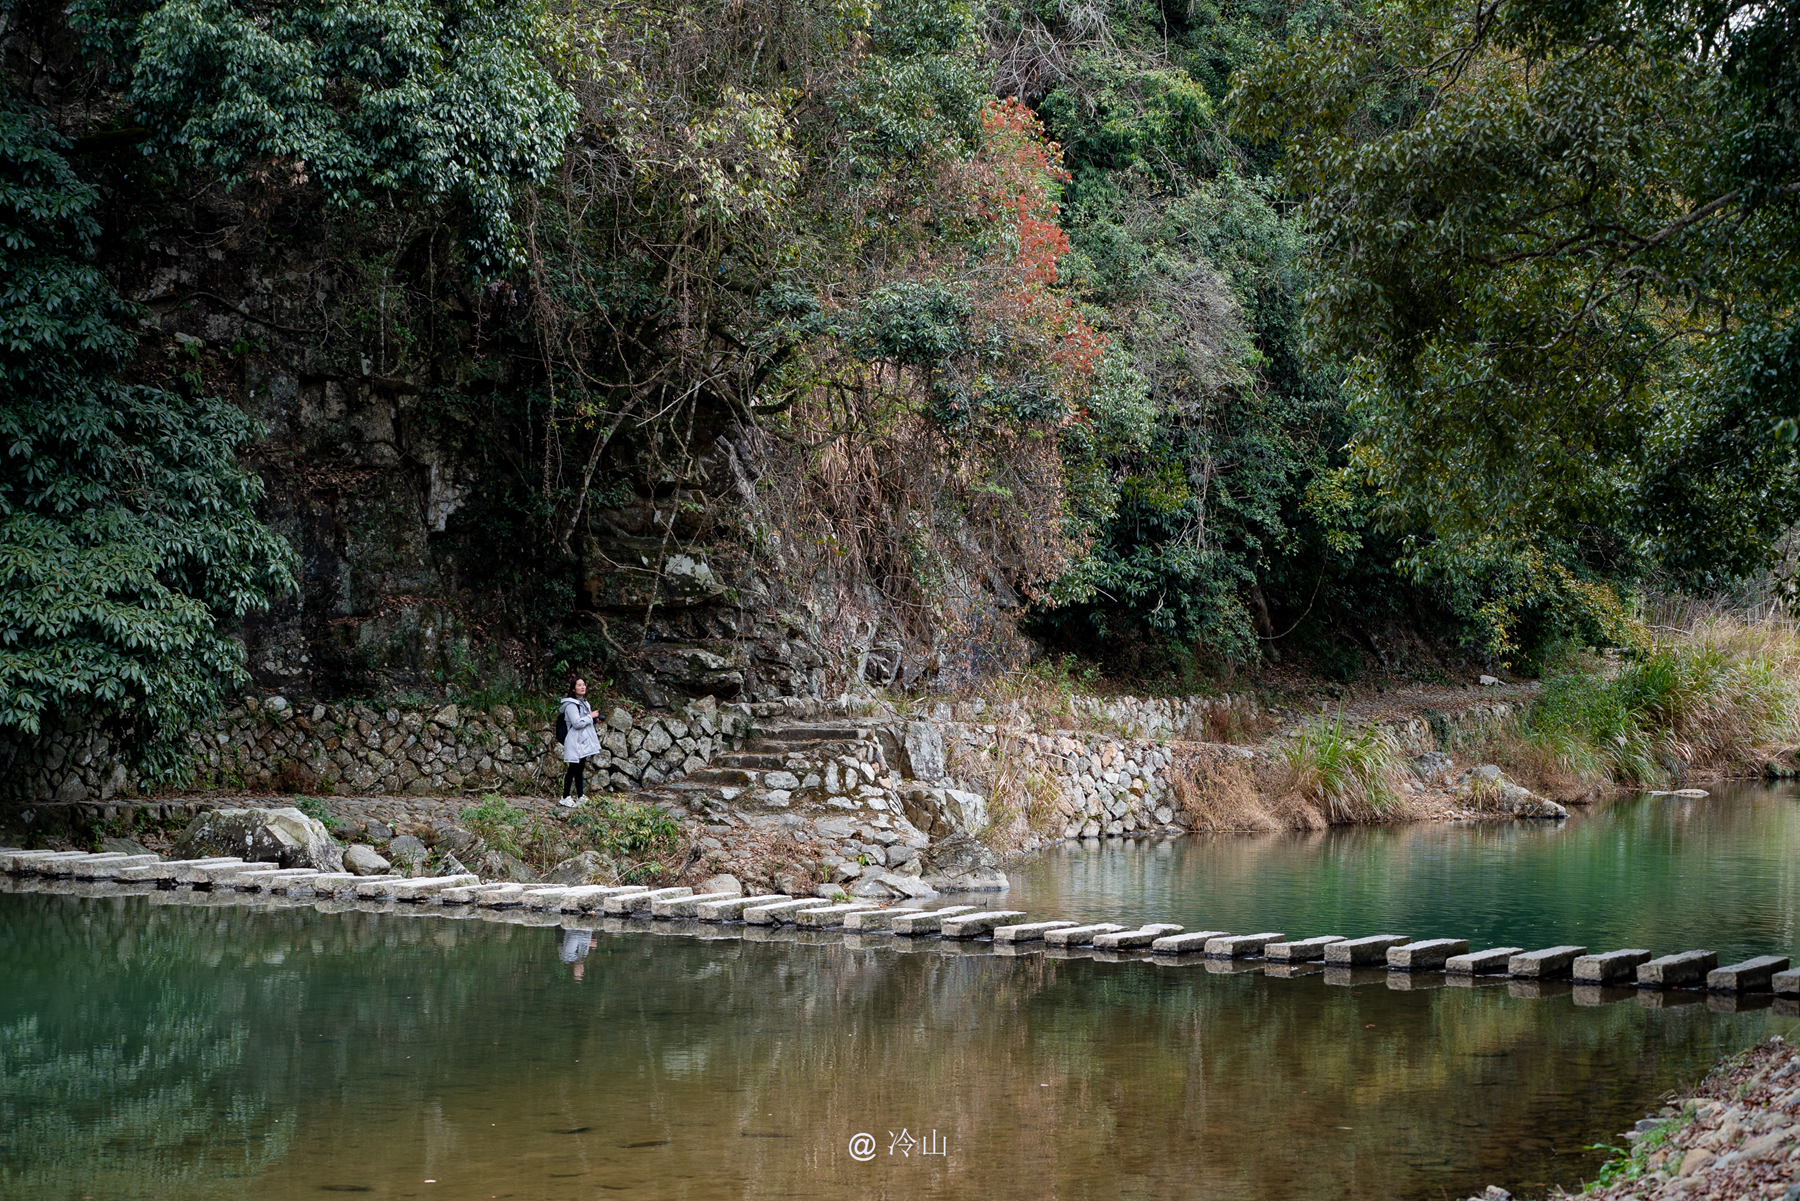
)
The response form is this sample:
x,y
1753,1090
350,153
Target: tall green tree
x,y
1558,248
129,542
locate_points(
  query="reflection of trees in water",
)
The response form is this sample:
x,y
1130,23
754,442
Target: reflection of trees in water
x,y
122,1071
1053,1067
188,1047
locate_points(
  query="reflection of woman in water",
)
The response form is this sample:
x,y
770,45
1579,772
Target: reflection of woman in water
x,y
574,948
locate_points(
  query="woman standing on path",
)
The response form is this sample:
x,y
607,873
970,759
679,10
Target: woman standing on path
x,y
579,741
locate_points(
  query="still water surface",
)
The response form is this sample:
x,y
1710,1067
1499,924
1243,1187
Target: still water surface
x,y
1664,873
157,1050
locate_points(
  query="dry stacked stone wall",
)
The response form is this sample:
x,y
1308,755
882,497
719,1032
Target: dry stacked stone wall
x,y
1111,785
271,744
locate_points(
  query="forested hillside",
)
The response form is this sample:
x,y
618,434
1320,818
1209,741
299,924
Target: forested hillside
x,y
766,347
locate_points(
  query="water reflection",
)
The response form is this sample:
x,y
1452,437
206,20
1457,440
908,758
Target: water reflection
x,y
572,947
1670,873
155,1050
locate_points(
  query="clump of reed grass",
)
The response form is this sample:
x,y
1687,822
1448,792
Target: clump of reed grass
x,y
1347,771
1703,701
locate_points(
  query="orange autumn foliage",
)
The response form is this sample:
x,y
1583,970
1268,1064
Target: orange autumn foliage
x,y
1016,180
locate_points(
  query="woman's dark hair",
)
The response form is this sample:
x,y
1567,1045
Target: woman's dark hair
x,y
569,682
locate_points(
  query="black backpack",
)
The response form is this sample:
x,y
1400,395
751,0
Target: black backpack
x,y
562,725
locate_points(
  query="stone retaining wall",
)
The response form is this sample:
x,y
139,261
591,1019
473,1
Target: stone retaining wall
x,y
1105,785
271,744
1183,718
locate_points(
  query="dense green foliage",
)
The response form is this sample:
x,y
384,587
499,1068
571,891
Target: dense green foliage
x,y
1470,319
129,545
368,100
1556,250
1192,265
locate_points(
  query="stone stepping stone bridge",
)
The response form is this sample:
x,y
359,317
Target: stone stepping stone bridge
x,y
1588,976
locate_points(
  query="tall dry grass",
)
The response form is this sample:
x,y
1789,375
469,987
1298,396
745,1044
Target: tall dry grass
x,y
1022,793
1224,794
1349,772
1704,699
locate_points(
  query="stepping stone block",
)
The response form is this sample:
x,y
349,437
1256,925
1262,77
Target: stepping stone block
x,y
1546,964
1480,963
1238,946
733,908
1301,950
1080,936
332,883
688,906
776,913
412,890
587,898
1786,984
1609,966
1752,975
68,863
1191,943
876,919
1358,952
1028,931
927,921
21,861
109,868
971,925
295,886
500,896
172,869
1426,955
827,916
1129,940
1675,971
206,876
621,904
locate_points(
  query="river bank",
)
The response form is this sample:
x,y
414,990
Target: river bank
x,y
1736,1135
877,792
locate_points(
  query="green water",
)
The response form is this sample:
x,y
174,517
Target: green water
x,y
1664,873
151,1049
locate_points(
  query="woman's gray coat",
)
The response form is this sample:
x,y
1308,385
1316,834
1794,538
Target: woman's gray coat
x,y
583,739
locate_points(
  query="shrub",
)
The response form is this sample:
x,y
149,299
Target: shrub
x,y
1674,706
517,832
624,827
1348,772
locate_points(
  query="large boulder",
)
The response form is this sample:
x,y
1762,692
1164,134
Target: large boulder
x,y
1433,767
960,864
1488,787
448,838
498,865
721,883
924,749
285,836
589,867
364,861
408,854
